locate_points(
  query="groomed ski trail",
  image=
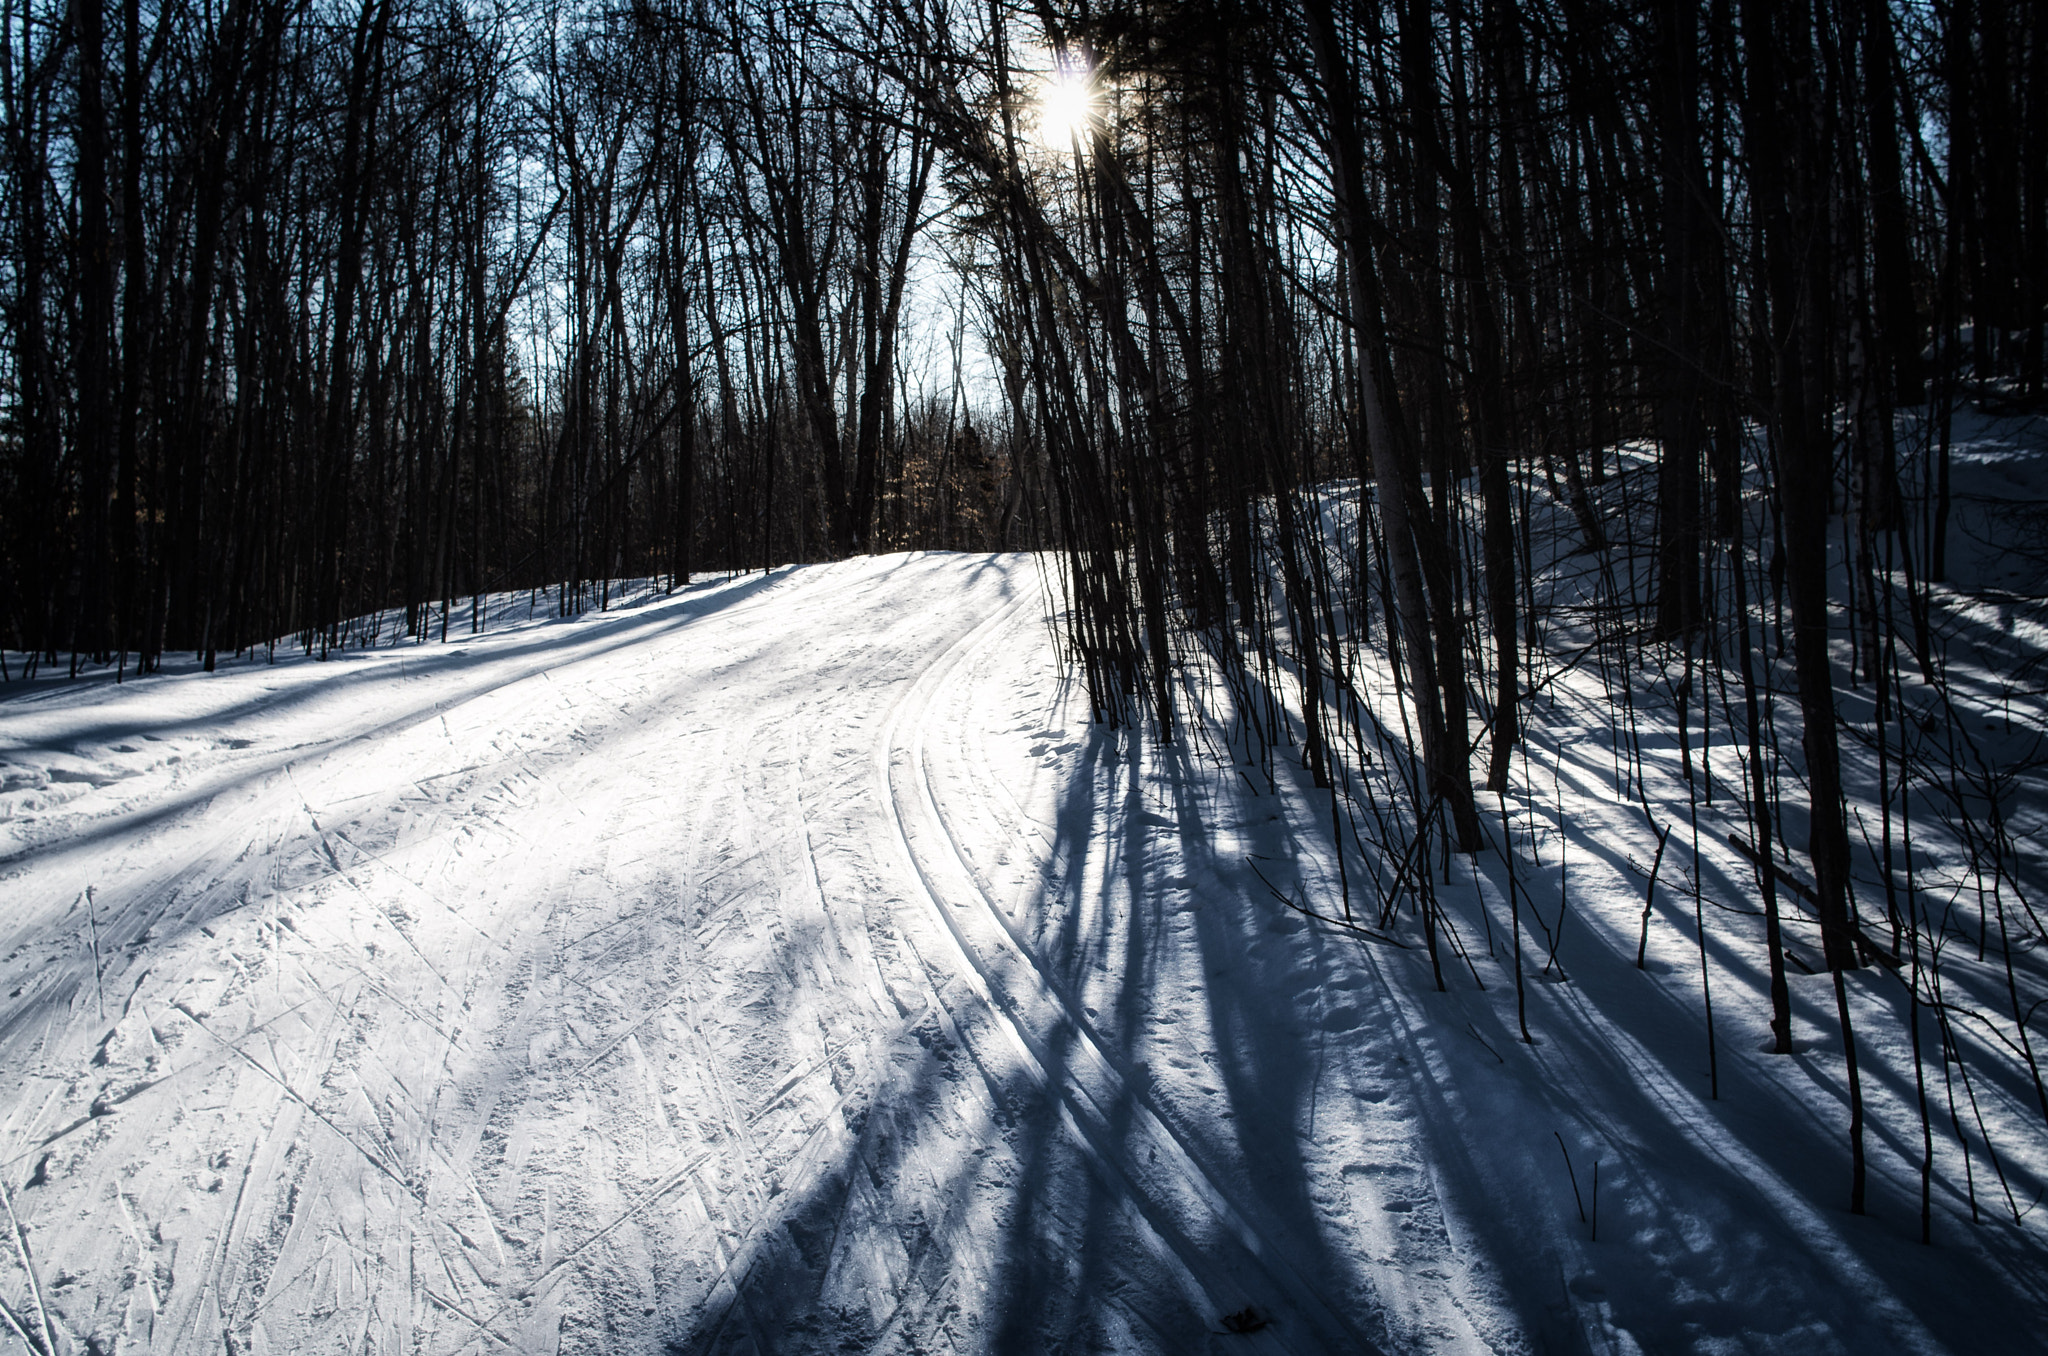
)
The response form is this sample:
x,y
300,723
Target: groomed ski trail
x,y
635,982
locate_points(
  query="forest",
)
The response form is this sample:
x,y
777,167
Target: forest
x,y
314,310
1307,340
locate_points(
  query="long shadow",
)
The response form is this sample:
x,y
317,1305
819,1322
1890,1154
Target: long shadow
x,y
1121,865
1271,1060
1073,948
1690,1242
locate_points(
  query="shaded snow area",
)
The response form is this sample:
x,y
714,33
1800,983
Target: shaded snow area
x,y
788,965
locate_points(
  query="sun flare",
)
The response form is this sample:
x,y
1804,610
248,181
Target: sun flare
x,y
1066,109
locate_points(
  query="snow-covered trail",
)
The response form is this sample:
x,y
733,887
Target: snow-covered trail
x,y
665,980
789,965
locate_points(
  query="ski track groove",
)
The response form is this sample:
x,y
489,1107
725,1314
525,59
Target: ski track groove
x,y
1080,1106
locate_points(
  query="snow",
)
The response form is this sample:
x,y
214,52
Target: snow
x,y
788,965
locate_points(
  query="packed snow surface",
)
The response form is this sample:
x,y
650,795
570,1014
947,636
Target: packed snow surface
x,y
789,965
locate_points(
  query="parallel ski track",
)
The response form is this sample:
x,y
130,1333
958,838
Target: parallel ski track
x,y
956,896
555,654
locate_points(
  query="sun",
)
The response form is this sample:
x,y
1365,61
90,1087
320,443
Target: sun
x,y
1066,109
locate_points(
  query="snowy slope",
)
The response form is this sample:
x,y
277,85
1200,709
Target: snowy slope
x,y
788,966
